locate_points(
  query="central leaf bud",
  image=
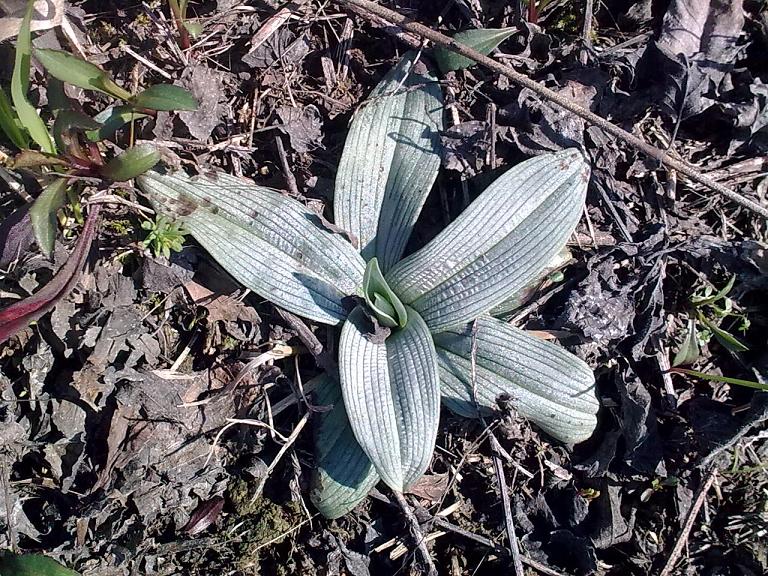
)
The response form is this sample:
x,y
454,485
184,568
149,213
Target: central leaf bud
x,y
381,300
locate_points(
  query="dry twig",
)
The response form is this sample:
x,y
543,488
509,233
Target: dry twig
x,y
418,537
373,11
690,518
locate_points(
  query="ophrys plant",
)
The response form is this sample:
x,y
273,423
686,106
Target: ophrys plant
x,y
416,329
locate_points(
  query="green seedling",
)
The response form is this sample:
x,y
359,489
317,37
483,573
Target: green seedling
x,y
184,26
710,310
415,331
70,151
164,236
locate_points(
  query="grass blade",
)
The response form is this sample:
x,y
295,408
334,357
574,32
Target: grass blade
x,y
20,86
723,379
9,122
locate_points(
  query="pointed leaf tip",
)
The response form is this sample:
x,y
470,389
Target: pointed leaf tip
x,y
165,97
484,40
384,303
132,163
390,161
43,214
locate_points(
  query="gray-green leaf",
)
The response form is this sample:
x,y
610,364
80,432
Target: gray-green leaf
x,y
542,381
42,215
498,245
390,161
392,395
484,40
343,474
269,242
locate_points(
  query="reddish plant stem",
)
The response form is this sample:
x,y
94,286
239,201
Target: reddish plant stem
x,y
19,315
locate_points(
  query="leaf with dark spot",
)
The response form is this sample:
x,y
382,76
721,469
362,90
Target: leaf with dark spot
x,y
16,235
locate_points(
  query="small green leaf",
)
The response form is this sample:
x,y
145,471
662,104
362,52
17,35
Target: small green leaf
x,y
43,214
112,119
20,85
31,565
709,300
165,97
689,349
194,28
484,40
69,121
131,163
57,96
384,303
78,72
726,339
9,123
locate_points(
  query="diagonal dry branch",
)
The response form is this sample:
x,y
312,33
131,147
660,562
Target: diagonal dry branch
x,y
371,10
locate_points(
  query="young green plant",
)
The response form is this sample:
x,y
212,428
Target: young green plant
x,y
70,150
416,331
710,309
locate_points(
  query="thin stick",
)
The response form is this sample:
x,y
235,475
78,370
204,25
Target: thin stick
x,y
690,518
413,525
147,63
290,179
370,10
283,449
8,508
509,522
483,541
309,340
498,465
586,31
